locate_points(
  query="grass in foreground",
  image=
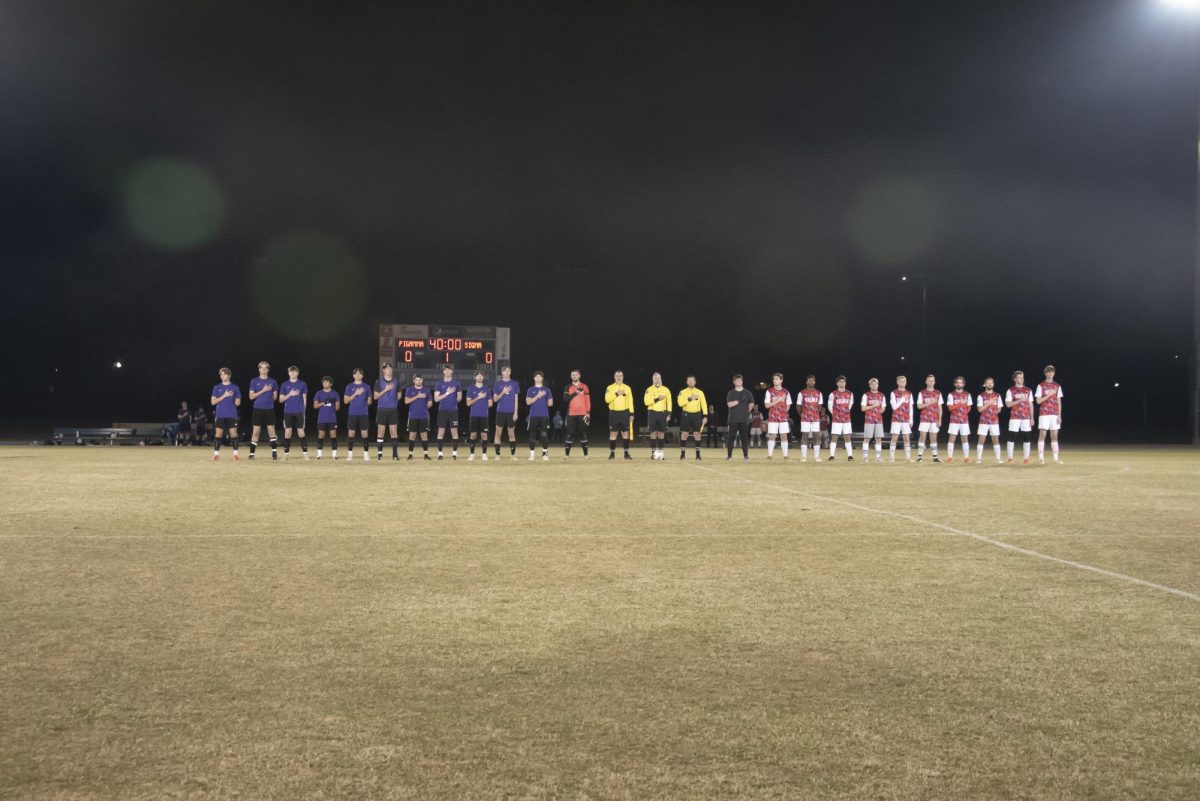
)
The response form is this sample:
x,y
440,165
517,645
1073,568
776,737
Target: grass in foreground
x,y
172,628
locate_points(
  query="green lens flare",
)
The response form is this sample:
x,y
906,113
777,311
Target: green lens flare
x,y
173,204
308,286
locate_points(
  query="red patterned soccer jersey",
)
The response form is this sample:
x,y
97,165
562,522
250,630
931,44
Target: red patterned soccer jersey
x,y
902,406
1020,411
781,400
931,414
840,402
874,416
810,405
961,414
989,415
1050,404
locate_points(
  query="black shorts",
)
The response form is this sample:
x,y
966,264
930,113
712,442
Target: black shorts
x,y
357,422
657,422
447,419
387,417
418,425
262,417
538,427
327,427
504,420
576,426
618,421
479,425
225,423
184,428
691,422
292,420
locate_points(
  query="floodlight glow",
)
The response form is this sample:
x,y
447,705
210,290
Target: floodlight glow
x,y
1117,384
1182,5
117,365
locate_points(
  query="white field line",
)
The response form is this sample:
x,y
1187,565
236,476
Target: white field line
x,y
971,534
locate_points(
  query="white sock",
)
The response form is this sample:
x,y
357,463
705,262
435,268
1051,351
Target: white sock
x,y
1054,449
319,451
832,449
1026,448
979,456
997,449
803,450
1011,445
770,447
920,449
878,448
1041,449
783,446
950,450
866,447
817,451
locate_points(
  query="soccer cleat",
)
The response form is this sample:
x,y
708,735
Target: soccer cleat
x,y
612,456
1041,460
427,458
545,457
830,459
252,457
531,456
379,458
236,458
729,458
1010,461
939,461
454,456
514,457
682,455
849,458
216,458
471,458
366,456
1025,462
745,458
949,460
410,458
395,458
274,456
967,460
770,458
439,457
698,456
335,457
628,457
919,459
485,457
878,460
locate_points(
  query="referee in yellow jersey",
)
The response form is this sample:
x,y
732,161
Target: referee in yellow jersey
x,y
619,397
693,416
658,406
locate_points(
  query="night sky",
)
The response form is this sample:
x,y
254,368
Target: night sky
x,y
681,187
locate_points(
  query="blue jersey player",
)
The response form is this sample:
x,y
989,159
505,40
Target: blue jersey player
x,y
293,394
447,395
387,412
357,399
226,398
479,400
504,395
417,399
263,392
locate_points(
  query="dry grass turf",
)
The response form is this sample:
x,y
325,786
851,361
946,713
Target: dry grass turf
x,y
173,628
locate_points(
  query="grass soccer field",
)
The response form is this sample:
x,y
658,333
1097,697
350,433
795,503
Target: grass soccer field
x,y
174,628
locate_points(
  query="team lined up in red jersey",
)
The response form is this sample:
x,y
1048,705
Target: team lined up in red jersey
x,y
927,407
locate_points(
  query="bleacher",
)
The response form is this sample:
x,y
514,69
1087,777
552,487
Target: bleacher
x,y
117,434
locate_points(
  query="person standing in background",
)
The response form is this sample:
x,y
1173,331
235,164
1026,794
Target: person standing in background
x,y
740,403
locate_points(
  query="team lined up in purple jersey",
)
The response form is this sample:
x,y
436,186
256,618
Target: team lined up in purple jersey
x,y
925,408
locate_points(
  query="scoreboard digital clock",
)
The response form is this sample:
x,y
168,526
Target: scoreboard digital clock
x,y
415,349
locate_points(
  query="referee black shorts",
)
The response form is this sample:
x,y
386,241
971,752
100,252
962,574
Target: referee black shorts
x,y
690,422
657,422
618,421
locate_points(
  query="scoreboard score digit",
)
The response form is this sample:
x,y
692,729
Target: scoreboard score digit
x,y
416,349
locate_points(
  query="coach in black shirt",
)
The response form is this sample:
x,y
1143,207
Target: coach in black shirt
x,y
740,401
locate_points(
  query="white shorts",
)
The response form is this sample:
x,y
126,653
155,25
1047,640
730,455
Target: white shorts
x,y
840,429
814,428
1048,422
1019,425
932,428
872,431
986,429
902,428
778,428
959,428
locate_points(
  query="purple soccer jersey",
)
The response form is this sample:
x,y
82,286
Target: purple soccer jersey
x,y
418,409
328,400
450,402
294,404
539,407
358,405
265,400
480,395
390,398
507,403
226,408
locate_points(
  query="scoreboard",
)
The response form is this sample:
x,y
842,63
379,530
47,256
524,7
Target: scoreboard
x,y
416,349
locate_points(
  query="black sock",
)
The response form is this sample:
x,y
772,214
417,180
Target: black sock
x,y
366,444
584,445
512,446
497,449
411,444
568,446
253,446
425,445
217,444
395,446
379,441
472,447
612,446
287,444
454,444
304,444
625,443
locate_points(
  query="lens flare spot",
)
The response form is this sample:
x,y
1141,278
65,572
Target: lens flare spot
x,y
893,221
173,204
308,286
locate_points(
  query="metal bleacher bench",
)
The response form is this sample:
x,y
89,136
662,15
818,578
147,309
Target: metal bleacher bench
x,y
117,434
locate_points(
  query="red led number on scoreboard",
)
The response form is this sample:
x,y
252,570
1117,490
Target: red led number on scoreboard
x,y
487,357
408,356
